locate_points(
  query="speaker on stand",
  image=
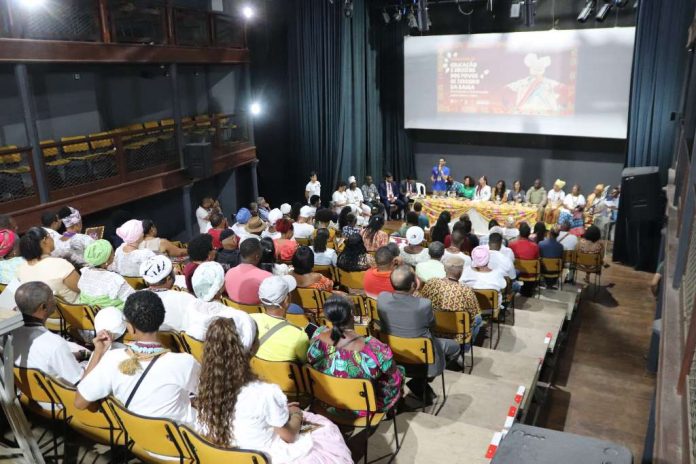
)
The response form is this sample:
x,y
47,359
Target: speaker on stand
x,y
640,219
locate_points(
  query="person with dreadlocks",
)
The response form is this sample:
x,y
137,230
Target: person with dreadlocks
x,y
145,376
235,409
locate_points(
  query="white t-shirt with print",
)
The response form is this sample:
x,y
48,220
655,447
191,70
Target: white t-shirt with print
x,y
100,282
164,392
314,188
39,348
128,264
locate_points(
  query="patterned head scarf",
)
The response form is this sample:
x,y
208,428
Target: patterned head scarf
x,y
73,219
7,241
480,256
98,253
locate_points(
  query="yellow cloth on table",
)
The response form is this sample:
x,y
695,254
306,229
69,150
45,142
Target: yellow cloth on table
x,y
432,207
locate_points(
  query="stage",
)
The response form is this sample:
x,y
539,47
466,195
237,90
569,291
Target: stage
x,y
480,212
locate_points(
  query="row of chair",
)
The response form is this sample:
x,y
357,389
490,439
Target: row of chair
x,y
534,270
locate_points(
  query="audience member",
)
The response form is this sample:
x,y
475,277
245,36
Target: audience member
x,y
274,216
111,321
36,247
302,264
447,294
145,377
323,256
343,218
51,224
411,221
268,260
470,240
228,255
128,257
539,232
251,414
218,224
324,220
285,246
493,226
200,249
286,209
99,286
341,352
510,232
390,197
312,207
480,276
159,245
207,206
499,261
408,316
432,268
423,221
549,247
590,243
240,221
458,239
179,307
302,228
10,258
242,282
354,257
71,245
414,252
35,347
440,232
523,247
566,239
378,279
278,340
264,208
373,236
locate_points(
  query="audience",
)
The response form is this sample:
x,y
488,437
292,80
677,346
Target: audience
x,y
354,257
440,232
566,239
324,220
264,208
278,340
274,216
523,247
405,315
539,232
241,219
550,247
228,255
323,256
145,377
480,276
447,294
218,224
423,221
458,238
10,258
200,249
285,246
51,224
302,264
378,279
242,282
510,232
36,246
159,245
414,252
99,286
111,321
237,410
254,228
71,245
268,259
411,221
128,257
302,228
432,268
341,352
207,206
36,347
499,261
590,243
373,236
351,227
470,240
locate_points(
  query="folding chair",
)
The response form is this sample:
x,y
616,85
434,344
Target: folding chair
x,y
529,271
155,440
569,261
351,280
417,353
204,452
78,317
32,384
171,340
287,375
309,299
327,271
136,282
552,268
249,309
303,241
453,324
590,263
193,346
348,394
298,320
488,301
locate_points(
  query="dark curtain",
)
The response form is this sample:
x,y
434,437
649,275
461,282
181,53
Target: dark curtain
x,y
658,69
346,94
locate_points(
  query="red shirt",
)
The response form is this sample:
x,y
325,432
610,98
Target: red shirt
x,y
215,233
189,269
524,249
377,281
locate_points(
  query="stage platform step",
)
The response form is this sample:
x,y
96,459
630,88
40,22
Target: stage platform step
x,y
548,322
524,341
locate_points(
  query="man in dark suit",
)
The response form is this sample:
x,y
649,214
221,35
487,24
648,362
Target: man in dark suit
x,y
408,190
404,315
390,196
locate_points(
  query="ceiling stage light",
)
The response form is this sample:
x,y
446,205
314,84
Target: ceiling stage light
x,y
586,11
248,12
255,109
31,4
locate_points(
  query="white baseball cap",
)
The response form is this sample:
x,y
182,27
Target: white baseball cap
x,y
415,235
285,208
307,211
351,180
273,290
207,280
112,320
155,269
274,215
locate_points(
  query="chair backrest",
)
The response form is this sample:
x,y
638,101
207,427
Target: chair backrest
x,y
77,316
308,298
172,341
327,271
66,393
298,320
154,435
353,280
77,144
193,346
287,375
420,188
487,299
303,241
569,256
551,266
589,260
371,306
205,452
250,309
410,350
3,287
529,267
341,393
452,323
136,282
33,384
102,143
48,152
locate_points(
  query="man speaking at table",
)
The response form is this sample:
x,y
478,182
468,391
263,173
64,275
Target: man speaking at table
x,y
439,177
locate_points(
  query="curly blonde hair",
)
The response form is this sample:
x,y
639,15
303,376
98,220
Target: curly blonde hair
x,y
225,370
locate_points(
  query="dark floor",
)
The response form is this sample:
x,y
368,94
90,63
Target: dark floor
x,y
601,388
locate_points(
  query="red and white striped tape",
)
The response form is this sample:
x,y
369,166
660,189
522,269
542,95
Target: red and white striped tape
x,y
493,446
520,394
548,338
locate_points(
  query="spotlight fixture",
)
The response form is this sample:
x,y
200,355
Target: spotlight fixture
x,y
515,10
586,11
32,4
255,109
603,12
386,17
412,21
248,12
348,8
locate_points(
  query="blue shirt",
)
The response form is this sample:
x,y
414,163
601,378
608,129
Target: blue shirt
x,y
440,185
423,221
550,248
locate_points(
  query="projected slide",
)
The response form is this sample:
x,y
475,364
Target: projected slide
x,y
551,82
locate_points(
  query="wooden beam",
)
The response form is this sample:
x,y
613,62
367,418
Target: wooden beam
x,y
38,51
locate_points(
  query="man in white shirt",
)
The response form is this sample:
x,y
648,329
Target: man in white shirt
x,y
36,347
168,379
302,228
555,199
568,240
207,206
51,223
497,260
313,186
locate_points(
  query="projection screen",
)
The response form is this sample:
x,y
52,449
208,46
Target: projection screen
x,y
572,82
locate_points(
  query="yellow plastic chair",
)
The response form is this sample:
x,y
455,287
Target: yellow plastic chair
x,y
171,340
327,271
75,147
48,151
298,320
32,385
287,375
2,287
490,308
453,324
204,452
76,317
193,346
529,271
136,282
351,280
415,352
303,241
148,436
310,299
552,268
101,146
371,306
348,394
590,263
250,309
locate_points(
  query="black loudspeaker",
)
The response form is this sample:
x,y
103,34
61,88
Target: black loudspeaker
x,y
639,223
199,159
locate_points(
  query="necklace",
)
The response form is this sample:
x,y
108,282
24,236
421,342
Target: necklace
x,y
146,348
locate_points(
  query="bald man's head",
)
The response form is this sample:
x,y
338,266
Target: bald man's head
x,y
403,279
33,297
